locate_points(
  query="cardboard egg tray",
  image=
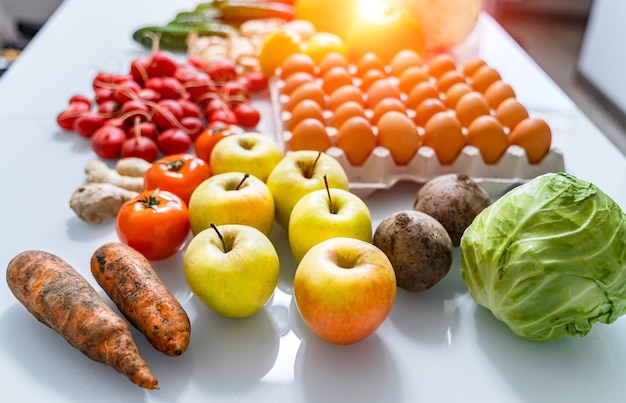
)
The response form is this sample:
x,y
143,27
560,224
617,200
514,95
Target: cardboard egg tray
x,y
379,171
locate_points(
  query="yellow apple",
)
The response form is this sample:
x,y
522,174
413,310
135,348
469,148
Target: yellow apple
x,y
344,289
233,269
232,198
324,214
299,173
251,152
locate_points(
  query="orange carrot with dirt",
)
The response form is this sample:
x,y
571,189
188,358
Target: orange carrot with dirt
x,y
130,281
60,298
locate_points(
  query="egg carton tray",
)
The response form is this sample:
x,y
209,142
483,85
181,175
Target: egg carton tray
x,y
380,172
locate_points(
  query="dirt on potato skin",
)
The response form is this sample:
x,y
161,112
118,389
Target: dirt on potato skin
x,y
419,248
454,200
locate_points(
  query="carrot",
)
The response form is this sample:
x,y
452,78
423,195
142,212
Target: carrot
x,y
130,281
60,298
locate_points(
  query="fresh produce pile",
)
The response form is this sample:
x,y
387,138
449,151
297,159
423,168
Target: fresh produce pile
x,y
193,176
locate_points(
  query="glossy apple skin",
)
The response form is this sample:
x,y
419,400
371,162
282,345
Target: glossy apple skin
x,y
312,220
236,283
291,179
218,200
344,289
251,152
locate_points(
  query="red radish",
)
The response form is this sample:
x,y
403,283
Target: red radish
x,y
87,124
174,141
107,141
67,118
193,126
222,71
109,109
167,114
256,81
80,99
133,109
126,91
146,129
247,115
197,62
139,69
139,146
149,95
190,109
225,116
212,105
104,94
171,88
161,65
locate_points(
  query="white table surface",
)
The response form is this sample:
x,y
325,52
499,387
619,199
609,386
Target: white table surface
x,y
436,346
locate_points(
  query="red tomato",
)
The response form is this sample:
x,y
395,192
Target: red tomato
x,y
208,138
177,173
155,223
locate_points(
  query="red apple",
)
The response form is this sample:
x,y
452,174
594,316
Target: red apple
x,y
344,289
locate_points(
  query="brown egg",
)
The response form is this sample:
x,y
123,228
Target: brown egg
x,y
484,77
309,134
421,92
295,80
369,61
344,94
470,106
381,89
498,92
455,92
334,78
487,134
385,105
297,62
332,59
448,79
307,108
444,134
410,77
440,64
534,136
305,91
398,133
369,77
510,112
357,139
404,59
346,111
427,109
472,66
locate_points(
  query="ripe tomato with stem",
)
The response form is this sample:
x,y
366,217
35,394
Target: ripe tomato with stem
x,y
155,223
177,173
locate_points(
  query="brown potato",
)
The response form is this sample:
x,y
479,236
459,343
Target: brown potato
x,y
454,200
418,246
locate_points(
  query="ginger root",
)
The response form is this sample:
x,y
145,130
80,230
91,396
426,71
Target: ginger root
x,y
95,202
99,172
132,166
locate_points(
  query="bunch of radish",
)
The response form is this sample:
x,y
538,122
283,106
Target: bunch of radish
x,y
161,106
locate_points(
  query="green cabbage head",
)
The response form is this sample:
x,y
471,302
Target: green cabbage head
x,y
548,258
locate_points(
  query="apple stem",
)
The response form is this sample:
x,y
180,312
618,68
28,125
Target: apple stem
x,y
311,167
220,236
330,199
245,176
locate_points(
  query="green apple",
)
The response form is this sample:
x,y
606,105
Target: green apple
x,y
250,152
327,213
299,173
344,289
233,269
232,198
